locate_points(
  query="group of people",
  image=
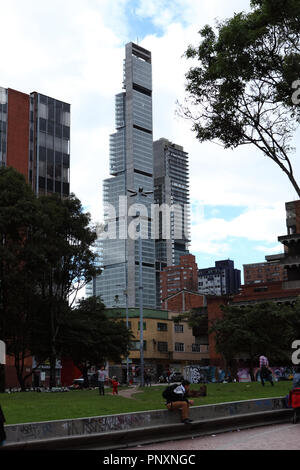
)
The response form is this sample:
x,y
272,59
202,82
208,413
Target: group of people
x,y
102,378
177,396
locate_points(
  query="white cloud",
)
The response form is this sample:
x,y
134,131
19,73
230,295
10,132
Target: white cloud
x,y
270,250
215,235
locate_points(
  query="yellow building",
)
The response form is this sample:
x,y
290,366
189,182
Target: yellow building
x,y
167,344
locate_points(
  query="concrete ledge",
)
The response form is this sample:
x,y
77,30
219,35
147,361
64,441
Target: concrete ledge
x,y
119,431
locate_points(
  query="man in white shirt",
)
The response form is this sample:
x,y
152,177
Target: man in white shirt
x,y
101,379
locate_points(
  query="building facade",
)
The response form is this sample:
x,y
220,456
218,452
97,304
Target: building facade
x,y
35,140
131,167
171,195
168,344
291,242
223,279
176,278
257,273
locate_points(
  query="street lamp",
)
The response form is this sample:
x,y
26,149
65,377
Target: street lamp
x,y
125,292
141,193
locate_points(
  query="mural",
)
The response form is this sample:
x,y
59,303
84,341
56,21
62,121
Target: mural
x,y
210,374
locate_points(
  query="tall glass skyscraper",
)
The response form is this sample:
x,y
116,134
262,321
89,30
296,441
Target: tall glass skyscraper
x,y
131,167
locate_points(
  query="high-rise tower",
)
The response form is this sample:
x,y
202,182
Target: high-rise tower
x,y
171,189
35,139
131,167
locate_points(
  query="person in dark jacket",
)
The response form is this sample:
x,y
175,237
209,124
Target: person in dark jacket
x,y
177,399
266,375
2,430
296,378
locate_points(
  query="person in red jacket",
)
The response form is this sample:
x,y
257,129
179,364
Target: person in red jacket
x,y
115,384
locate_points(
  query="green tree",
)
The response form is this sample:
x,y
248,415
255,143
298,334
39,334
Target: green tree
x,y
45,259
262,328
66,264
18,289
197,319
91,338
240,90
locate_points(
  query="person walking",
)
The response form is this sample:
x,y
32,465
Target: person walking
x,y
147,378
101,374
177,399
265,373
2,430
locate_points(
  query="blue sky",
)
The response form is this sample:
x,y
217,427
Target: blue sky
x,y
73,50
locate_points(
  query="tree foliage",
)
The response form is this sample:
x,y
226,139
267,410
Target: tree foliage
x,y
91,338
46,257
263,328
240,90
18,288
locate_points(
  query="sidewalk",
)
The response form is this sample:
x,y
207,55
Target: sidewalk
x,y
275,437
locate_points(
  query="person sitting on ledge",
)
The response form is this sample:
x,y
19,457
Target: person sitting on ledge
x,y
177,399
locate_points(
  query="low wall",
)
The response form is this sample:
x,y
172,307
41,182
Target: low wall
x,y
138,423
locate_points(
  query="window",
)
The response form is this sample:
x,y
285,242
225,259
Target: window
x,y
196,347
144,325
178,328
162,346
162,327
179,347
135,345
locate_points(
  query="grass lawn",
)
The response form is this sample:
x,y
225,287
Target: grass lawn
x,y
35,407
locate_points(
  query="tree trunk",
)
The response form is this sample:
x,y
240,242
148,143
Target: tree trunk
x,y
52,382
251,370
19,370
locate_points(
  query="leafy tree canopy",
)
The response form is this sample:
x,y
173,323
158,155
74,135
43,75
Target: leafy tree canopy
x,y
90,338
240,90
262,328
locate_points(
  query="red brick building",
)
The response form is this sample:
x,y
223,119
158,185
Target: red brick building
x,y
18,112
176,278
183,301
257,273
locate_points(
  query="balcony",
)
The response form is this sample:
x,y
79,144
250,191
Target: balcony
x,y
286,239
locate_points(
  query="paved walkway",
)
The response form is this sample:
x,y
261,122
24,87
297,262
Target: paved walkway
x,y
275,437
128,393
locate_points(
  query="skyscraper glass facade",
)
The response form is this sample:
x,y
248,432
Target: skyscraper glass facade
x,y
171,188
131,167
49,154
